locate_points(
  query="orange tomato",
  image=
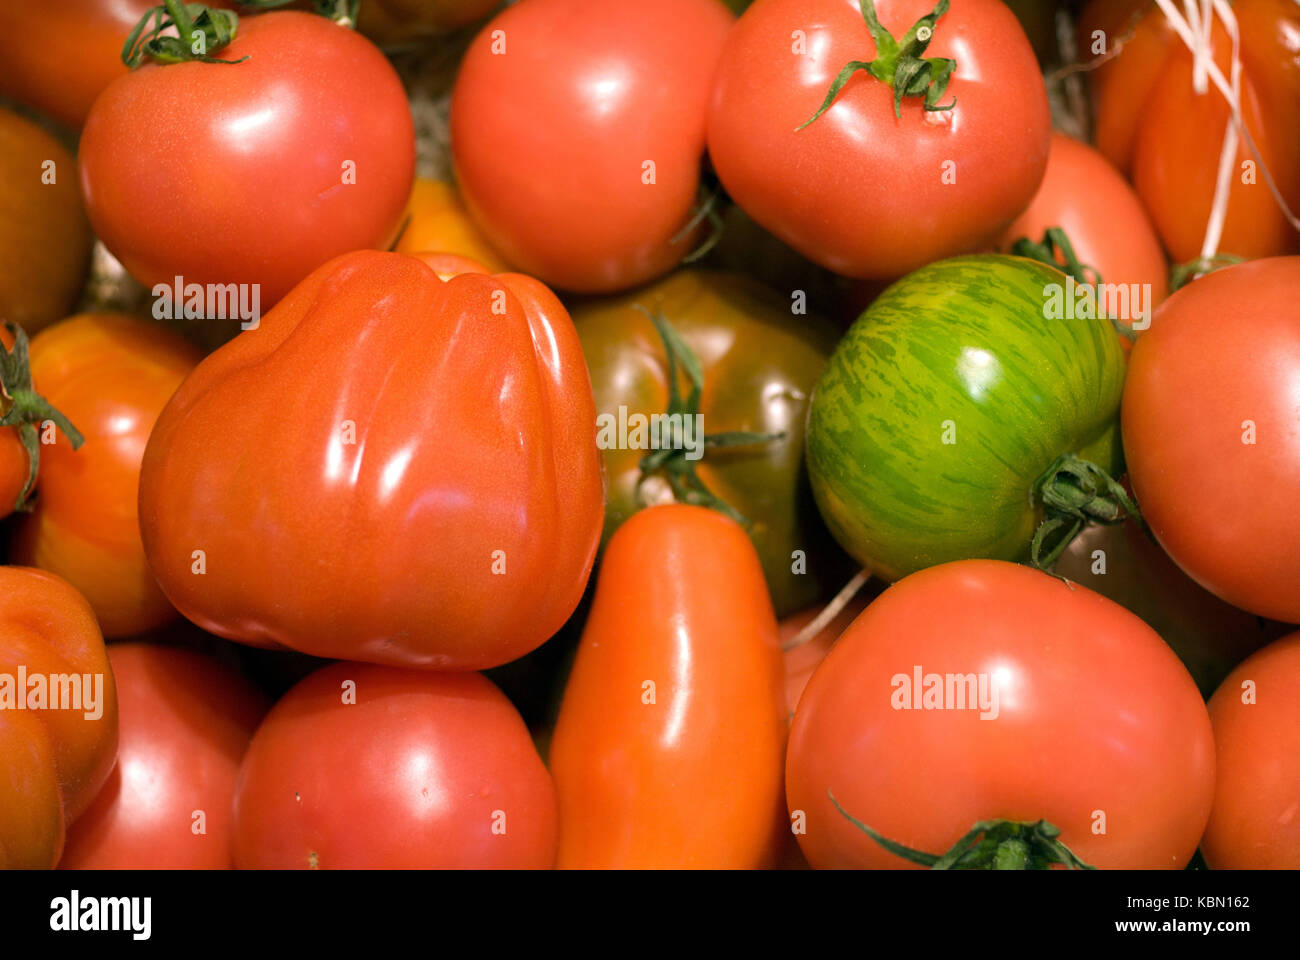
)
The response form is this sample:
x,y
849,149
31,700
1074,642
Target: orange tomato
x,y
1153,125
54,760
439,223
111,375
668,748
44,235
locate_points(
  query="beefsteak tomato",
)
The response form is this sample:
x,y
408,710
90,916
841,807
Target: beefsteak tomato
x,y
667,752
390,468
364,767
872,188
58,714
1021,697
937,430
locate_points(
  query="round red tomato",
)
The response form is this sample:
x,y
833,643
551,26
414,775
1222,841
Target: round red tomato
x,y
185,721
871,189
365,767
256,172
981,689
1211,424
577,130
1255,823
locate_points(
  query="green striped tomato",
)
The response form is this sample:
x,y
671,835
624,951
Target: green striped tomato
x,y
946,402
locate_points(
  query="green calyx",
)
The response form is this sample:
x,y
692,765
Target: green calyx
x,y
1055,250
24,408
1185,273
671,462
988,845
900,64
1074,493
200,31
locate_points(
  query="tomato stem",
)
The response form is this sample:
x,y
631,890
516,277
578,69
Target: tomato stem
x,y
671,461
196,25
22,407
1184,273
1006,845
1074,493
899,65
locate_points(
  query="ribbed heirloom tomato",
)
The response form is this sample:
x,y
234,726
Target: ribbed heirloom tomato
x,y
390,468
874,187
366,767
186,720
577,130
982,690
252,172
54,760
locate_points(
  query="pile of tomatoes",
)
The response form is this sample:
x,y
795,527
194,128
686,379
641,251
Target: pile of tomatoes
x,y
623,434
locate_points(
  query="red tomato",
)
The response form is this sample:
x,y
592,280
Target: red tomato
x,y
54,760
1102,216
111,375
256,172
558,110
801,661
859,190
1151,123
667,751
412,477
363,767
1210,433
185,723
1078,714
1255,823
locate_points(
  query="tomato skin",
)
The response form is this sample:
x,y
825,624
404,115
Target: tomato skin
x,y
549,139
1154,127
1103,717
759,364
1104,219
411,775
1227,346
111,375
44,236
692,780
55,760
13,470
185,723
1253,824
801,661
227,194
439,223
466,514
859,191
959,346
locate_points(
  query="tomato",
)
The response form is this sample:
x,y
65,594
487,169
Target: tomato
x,y
402,21
936,430
199,170
111,375
667,752
801,661
185,723
1077,713
56,756
1103,219
44,236
412,477
438,222
1210,433
759,363
1256,717
577,131
59,54
861,190
363,767
1152,124
1123,563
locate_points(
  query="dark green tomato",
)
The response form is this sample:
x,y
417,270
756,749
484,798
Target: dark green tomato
x,y
945,403
759,362
1210,636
